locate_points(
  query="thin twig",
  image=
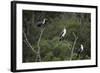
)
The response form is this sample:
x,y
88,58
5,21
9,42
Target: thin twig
x,y
28,44
38,45
73,45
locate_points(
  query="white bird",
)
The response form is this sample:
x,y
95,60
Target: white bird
x,y
63,33
82,48
41,23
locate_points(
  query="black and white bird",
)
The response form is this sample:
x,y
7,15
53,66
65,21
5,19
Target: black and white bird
x,y
63,33
80,50
41,23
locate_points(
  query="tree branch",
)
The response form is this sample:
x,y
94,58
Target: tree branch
x,y
38,45
28,44
73,45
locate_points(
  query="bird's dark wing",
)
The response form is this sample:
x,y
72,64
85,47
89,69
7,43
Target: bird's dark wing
x,y
79,51
39,23
61,34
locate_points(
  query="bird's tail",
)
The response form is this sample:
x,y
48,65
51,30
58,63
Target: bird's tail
x,y
60,39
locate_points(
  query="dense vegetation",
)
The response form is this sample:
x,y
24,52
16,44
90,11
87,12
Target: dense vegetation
x,y
49,48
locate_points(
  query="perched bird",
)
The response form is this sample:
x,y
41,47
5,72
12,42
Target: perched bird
x,y
80,50
41,23
63,33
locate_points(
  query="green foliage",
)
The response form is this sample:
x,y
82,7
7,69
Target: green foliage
x,y
51,49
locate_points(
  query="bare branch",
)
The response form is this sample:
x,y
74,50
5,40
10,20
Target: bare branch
x,y
38,45
28,44
74,35
73,45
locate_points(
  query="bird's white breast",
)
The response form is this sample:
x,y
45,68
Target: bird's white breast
x,y
81,47
64,32
44,21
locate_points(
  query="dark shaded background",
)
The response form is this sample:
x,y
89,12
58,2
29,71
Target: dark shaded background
x,y
51,48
